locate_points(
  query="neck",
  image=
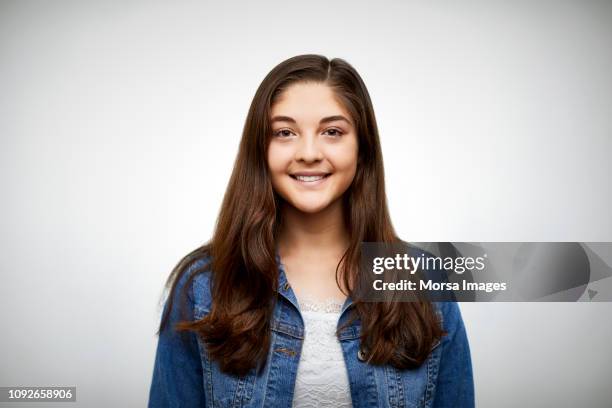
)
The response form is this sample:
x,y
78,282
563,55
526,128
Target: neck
x,y
321,233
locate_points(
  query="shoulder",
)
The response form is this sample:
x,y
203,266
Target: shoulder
x,y
201,274
450,315
196,279
448,311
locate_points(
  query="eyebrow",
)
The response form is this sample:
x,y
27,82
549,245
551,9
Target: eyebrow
x,y
324,120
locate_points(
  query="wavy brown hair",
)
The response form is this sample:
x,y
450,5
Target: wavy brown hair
x,y
242,250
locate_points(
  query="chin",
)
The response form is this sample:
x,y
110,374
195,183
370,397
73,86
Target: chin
x,y
310,208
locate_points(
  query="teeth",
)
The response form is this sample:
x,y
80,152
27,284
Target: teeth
x,y
309,178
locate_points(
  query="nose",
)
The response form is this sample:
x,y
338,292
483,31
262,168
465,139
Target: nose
x,y
308,149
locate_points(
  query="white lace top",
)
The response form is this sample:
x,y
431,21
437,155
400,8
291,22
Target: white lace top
x,y
322,378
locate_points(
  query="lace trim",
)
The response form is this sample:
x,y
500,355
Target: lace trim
x,y
310,304
322,376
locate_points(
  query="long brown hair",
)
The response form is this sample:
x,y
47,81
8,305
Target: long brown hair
x,y
242,251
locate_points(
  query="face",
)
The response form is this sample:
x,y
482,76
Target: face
x,y
312,155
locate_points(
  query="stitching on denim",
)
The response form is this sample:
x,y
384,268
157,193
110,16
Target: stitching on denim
x,y
394,383
268,369
206,366
285,328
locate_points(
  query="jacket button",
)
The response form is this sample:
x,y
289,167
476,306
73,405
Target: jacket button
x,y
286,286
361,356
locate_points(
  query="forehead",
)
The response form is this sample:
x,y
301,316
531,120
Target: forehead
x,y
308,101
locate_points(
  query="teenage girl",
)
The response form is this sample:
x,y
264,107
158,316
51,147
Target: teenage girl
x,y
265,314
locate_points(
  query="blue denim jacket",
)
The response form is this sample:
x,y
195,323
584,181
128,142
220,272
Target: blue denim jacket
x,y
185,376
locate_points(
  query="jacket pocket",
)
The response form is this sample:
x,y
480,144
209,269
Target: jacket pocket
x,y
413,388
223,389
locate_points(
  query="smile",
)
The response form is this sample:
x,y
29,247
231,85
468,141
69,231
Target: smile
x,y
310,179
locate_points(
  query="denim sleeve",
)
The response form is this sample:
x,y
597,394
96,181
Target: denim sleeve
x,y
455,384
177,374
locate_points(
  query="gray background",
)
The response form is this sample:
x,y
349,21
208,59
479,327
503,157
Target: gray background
x,y
119,123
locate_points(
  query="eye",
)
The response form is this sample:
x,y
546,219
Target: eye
x,y
283,133
334,132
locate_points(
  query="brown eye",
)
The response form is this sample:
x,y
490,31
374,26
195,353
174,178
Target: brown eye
x,y
334,132
283,133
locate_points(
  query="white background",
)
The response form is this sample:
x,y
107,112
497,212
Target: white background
x,y
120,121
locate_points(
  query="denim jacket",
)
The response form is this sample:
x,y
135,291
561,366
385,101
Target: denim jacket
x,y
185,376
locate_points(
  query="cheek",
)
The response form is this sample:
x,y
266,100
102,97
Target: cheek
x,y
344,159
278,161
274,162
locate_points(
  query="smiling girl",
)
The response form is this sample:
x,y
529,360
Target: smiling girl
x,y
266,313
